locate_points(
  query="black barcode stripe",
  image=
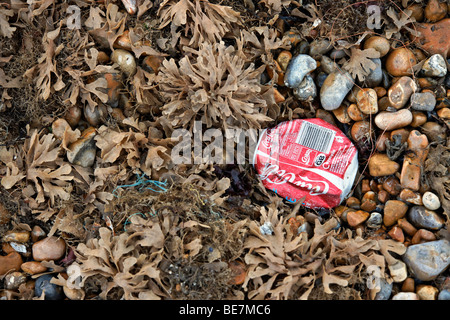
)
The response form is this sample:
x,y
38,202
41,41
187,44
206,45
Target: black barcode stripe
x,y
315,137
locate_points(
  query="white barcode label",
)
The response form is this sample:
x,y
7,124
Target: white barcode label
x,y
315,137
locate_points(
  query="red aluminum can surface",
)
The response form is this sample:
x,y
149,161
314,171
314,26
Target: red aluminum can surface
x,y
307,158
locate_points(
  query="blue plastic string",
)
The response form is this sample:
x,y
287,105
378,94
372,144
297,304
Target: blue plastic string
x,y
144,184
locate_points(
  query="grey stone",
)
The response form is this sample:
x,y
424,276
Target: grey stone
x,y
375,220
52,291
428,260
319,47
307,89
328,65
444,295
334,89
421,217
423,101
431,201
375,76
434,66
298,68
385,290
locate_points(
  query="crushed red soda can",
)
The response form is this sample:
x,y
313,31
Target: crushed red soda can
x,y
307,158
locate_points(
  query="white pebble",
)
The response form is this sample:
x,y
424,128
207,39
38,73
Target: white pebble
x,y
266,228
431,201
406,296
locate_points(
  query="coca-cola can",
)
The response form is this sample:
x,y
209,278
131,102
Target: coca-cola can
x,y
308,160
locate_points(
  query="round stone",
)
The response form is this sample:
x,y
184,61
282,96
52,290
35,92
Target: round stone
x,y
334,89
393,211
51,291
375,76
421,217
400,62
378,43
298,67
125,60
306,90
33,267
428,260
375,220
400,92
431,201
444,295
423,101
406,296
367,101
434,66
380,165
10,262
435,10
386,120
50,248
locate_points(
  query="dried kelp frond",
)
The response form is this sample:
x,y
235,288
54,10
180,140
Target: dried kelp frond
x,y
360,64
47,175
214,85
260,43
202,21
275,6
177,246
46,67
286,265
128,263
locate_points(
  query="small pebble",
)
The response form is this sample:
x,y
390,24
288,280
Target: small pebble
x,y
299,66
73,116
306,90
17,236
11,262
398,271
385,290
73,293
375,220
367,101
328,65
37,233
354,113
444,113
427,292
423,101
434,66
419,118
393,211
407,227
83,151
444,295
333,91
50,248
431,201
410,196
396,234
284,58
96,116
428,260
360,130
423,235
33,267
381,44
400,92
380,165
400,62
51,291
342,115
375,77
355,218
421,217
14,280
125,60
388,121
406,296
319,47
409,285
435,10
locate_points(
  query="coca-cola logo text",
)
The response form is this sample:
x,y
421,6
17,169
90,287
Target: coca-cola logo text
x,y
272,174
